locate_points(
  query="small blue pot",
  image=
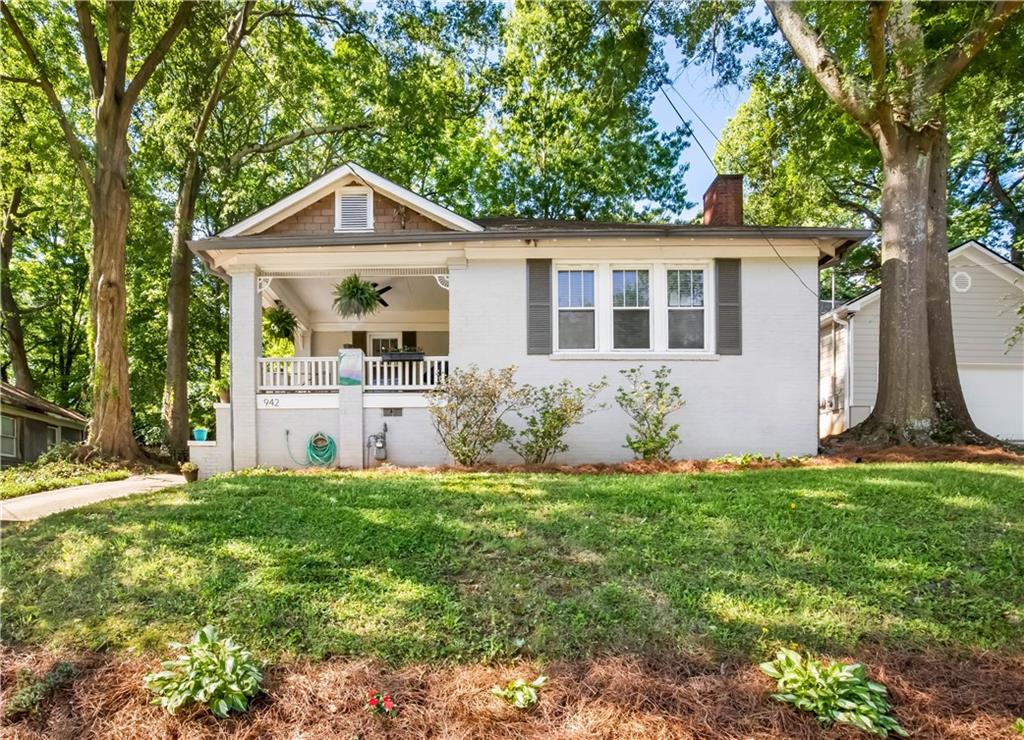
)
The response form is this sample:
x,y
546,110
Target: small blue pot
x,y
199,435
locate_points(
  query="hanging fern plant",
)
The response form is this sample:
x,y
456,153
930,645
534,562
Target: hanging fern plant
x,y
280,322
354,296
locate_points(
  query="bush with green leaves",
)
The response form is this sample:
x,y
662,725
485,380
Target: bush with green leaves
x,y
519,693
30,692
836,693
211,671
548,412
356,297
648,403
468,408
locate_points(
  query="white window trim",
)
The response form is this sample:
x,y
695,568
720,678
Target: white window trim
x,y
658,307
561,267
56,433
353,190
651,302
709,304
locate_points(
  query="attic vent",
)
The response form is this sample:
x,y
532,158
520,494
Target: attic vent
x,y
961,282
353,209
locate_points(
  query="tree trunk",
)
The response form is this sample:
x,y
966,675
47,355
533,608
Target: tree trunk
x,y
175,401
12,313
954,420
903,411
111,426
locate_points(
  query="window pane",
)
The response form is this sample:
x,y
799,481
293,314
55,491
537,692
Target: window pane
x,y
576,330
643,289
632,329
575,288
618,290
686,329
588,288
698,288
7,446
7,426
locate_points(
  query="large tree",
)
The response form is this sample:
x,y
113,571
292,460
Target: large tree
x,y
116,78
888,66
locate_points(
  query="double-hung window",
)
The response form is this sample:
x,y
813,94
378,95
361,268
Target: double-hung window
x,y
8,436
577,318
631,309
685,309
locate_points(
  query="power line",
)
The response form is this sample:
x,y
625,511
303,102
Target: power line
x,y
689,128
778,254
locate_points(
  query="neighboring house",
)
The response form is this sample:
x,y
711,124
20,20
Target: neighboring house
x,y
30,425
732,309
986,291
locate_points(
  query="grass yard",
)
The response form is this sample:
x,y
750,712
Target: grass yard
x,y
449,568
21,480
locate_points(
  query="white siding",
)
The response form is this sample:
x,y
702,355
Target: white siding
x,y
761,401
832,379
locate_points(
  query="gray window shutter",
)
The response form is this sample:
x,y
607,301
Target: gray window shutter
x,y
729,332
538,307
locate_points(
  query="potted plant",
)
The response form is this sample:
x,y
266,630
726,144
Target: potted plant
x,y
404,354
199,434
190,470
356,297
281,323
221,389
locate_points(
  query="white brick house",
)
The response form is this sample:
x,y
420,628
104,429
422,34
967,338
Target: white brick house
x,y
731,309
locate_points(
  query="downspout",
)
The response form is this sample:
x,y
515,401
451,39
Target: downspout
x,y
848,385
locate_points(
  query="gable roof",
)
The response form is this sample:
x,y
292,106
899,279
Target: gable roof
x,y
348,172
986,257
30,402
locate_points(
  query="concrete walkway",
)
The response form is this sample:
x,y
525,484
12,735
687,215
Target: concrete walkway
x,y
44,503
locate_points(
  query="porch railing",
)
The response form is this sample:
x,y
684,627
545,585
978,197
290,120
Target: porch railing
x,y
404,375
321,374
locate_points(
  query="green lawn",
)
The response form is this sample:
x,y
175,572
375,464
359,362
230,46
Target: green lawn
x,y
24,479
415,567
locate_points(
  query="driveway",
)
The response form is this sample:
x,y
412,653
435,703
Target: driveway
x,y
44,503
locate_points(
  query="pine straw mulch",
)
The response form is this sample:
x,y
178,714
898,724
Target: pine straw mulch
x,y
934,695
835,455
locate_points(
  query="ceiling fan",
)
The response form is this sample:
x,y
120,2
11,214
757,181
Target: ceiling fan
x,y
381,292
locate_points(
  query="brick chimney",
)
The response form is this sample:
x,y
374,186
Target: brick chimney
x,y
723,202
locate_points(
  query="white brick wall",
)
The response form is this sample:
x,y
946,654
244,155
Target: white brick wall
x,y
246,347
764,400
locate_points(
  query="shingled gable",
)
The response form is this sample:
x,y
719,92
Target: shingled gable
x,y
311,210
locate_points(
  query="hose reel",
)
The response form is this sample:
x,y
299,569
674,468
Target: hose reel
x,y
321,449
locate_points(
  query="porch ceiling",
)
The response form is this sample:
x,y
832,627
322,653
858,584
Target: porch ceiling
x,y
411,296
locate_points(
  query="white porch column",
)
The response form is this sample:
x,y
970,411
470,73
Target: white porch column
x,y
246,348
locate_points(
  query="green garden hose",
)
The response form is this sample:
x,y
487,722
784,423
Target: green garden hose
x,y
320,449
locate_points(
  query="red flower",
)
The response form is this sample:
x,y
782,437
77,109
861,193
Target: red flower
x,y
388,704
369,694
373,702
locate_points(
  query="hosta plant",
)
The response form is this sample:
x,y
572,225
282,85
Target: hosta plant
x,y
836,693
380,703
211,671
519,693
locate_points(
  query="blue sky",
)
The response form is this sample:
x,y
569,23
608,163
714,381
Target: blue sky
x,y
715,106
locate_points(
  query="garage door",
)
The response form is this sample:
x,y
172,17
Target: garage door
x,y
995,396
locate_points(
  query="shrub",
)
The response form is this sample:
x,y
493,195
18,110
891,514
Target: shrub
x,y
555,409
211,671
64,452
648,402
467,409
519,693
30,692
833,693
